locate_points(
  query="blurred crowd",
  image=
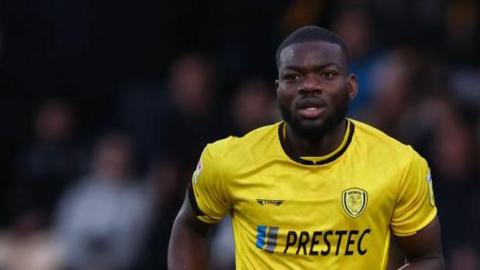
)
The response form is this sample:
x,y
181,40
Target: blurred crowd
x,y
92,181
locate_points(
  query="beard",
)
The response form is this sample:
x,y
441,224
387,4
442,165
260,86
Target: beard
x,y
315,129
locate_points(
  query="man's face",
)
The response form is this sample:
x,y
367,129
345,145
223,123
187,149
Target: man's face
x,y
314,87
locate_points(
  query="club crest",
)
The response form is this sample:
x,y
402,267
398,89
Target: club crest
x,y
354,201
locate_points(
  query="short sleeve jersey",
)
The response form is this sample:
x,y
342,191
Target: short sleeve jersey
x,y
331,212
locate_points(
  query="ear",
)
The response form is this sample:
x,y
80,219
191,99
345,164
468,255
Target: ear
x,y
352,85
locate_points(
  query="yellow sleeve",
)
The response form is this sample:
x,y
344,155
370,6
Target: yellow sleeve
x,y
415,205
207,193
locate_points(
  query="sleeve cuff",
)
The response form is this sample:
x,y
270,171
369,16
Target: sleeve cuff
x,y
420,226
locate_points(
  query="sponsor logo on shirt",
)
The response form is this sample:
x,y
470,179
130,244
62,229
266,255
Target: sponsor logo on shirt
x,y
313,243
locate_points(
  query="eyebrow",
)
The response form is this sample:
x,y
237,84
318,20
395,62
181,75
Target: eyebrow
x,y
317,67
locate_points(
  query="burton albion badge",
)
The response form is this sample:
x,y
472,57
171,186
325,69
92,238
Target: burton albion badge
x,y
354,201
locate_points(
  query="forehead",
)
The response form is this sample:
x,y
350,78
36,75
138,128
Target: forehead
x,y
313,53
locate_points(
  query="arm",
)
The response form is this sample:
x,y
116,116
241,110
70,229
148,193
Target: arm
x,y
207,202
188,247
423,250
414,222
396,258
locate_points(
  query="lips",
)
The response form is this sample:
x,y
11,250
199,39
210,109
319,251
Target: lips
x,y
310,108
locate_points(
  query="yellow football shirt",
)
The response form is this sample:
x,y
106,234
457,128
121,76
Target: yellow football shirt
x,y
333,212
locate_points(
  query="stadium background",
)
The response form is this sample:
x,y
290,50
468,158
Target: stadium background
x,y
106,105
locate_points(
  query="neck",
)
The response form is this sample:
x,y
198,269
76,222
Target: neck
x,y
319,146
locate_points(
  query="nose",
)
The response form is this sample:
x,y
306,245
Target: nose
x,y
310,83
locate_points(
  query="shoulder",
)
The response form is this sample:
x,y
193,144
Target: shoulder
x,y
233,155
376,139
375,142
255,140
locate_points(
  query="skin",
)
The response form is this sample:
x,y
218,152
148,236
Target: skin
x,y
189,243
314,89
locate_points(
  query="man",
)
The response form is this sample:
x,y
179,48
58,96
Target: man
x,y
316,191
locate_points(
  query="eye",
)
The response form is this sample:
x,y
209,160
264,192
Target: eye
x,y
330,75
291,77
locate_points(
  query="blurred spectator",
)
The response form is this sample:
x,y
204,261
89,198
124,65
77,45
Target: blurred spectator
x,y
391,86
166,192
178,116
303,12
142,110
195,119
465,85
355,27
222,253
451,160
27,244
464,258
473,219
462,24
395,18
46,165
452,150
436,126
252,106
191,85
101,221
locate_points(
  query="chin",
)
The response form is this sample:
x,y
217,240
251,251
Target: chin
x,y
310,128
310,124
316,128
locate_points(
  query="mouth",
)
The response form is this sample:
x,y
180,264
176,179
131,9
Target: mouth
x,y
311,108
311,112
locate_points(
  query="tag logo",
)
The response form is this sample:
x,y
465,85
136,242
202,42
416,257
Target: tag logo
x,y
354,201
269,202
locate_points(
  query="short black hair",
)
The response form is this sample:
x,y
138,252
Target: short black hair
x,y
311,33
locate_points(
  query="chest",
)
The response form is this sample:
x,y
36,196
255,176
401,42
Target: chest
x,y
304,197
